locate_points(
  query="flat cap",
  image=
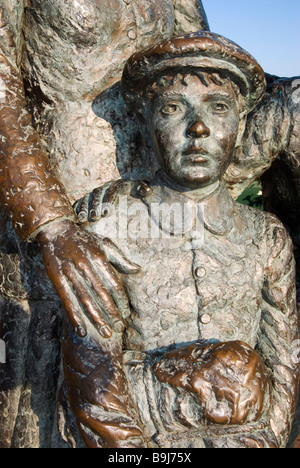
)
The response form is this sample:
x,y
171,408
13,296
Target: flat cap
x,y
204,51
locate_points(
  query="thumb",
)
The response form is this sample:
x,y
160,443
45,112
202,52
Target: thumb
x,y
117,258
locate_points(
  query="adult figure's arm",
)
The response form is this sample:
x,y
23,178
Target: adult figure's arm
x,y
272,129
29,192
278,337
39,207
189,16
37,202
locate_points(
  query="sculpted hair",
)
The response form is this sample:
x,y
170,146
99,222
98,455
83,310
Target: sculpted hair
x,y
146,95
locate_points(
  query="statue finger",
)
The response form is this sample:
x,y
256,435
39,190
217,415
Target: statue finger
x,y
86,296
239,411
113,189
116,257
113,285
97,209
82,209
72,309
65,294
103,198
104,298
253,442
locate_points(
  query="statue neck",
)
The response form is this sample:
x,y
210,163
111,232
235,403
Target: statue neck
x,y
195,194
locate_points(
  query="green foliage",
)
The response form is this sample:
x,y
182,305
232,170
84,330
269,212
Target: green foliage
x,y
252,196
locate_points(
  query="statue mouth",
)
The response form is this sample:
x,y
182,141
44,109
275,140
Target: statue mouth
x,y
197,160
195,155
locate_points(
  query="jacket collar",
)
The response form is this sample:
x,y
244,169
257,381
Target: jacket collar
x,y
216,209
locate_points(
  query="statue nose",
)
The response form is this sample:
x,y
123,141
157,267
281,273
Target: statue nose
x,y
198,130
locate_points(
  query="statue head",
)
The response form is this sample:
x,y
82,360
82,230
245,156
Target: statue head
x,y
192,95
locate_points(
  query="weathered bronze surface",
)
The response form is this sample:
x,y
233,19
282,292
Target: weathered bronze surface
x,y
206,295
230,372
59,50
64,131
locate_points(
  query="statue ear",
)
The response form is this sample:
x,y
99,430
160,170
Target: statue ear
x,y
242,127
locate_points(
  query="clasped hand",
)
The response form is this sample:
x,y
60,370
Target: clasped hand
x,y
229,379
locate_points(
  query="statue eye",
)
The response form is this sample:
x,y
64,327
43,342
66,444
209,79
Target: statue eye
x,y
220,108
170,109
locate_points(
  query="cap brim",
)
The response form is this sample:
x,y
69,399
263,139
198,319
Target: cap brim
x,y
201,51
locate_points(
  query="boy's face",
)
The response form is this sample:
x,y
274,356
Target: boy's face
x,y
194,129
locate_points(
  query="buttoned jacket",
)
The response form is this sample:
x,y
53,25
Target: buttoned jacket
x,y
226,275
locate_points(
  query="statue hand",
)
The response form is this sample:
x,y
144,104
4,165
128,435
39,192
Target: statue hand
x,y
93,205
83,277
229,379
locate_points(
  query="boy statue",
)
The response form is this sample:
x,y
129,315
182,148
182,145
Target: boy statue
x,y
205,358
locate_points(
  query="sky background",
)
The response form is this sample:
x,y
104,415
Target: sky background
x,y
268,29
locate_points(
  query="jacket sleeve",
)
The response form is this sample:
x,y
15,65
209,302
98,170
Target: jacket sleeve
x,y
279,329
29,191
189,16
272,129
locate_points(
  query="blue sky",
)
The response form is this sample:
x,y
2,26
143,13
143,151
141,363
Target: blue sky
x,y
268,29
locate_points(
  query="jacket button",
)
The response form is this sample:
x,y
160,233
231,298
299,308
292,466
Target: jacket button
x,y
205,319
200,272
132,34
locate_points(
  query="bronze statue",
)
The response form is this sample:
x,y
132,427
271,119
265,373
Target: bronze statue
x,y
55,58
64,131
208,344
